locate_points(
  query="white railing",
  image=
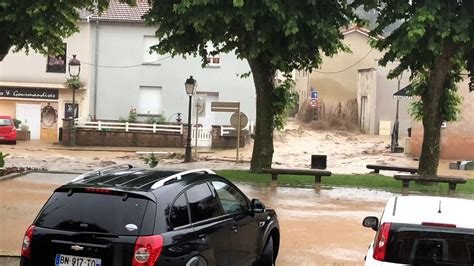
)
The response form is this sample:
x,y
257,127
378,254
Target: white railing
x,y
204,137
126,126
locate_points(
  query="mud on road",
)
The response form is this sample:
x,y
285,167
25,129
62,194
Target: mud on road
x,y
316,229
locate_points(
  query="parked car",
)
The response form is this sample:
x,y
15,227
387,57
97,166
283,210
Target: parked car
x,y
423,231
122,215
7,130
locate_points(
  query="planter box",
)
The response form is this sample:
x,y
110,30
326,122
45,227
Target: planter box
x,y
23,135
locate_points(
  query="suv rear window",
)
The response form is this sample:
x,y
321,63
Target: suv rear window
x,y
412,244
5,122
92,212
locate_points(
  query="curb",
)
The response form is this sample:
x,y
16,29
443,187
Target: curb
x,y
14,175
8,260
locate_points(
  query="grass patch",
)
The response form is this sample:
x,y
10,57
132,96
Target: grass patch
x,y
374,181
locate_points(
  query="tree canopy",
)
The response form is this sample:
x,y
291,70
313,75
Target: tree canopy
x,y
271,35
435,42
40,25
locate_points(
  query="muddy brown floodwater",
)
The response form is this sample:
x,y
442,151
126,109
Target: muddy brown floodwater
x,y
316,229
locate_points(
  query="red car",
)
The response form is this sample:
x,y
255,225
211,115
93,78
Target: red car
x,y
7,130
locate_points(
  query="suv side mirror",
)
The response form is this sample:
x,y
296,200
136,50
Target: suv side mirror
x,y
371,222
257,206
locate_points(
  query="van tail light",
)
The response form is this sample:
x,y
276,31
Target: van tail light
x,y
26,245
438,224
147,250
380,246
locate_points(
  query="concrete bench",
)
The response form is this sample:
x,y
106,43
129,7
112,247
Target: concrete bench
x,y
452,181
318,174
377,168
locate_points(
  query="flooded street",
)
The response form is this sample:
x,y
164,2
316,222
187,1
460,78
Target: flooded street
x,y
316,229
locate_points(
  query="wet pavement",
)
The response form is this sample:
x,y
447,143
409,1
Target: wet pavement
x,y
316,228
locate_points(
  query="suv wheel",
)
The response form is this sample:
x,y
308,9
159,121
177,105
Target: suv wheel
x,y
267,255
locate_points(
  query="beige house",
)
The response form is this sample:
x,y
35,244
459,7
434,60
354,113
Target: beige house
x,y
32,86
354,82
457,138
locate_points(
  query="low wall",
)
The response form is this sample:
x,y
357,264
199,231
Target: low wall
x,y
227,141
87,137
116,138
453,146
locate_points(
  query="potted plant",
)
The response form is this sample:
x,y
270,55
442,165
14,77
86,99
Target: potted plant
x,y
24,132
151,160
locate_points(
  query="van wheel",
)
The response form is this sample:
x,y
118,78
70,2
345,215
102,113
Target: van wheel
x,y
267,255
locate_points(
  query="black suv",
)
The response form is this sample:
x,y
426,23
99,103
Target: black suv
x,y
122,215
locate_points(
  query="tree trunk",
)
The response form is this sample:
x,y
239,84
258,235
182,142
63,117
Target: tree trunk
x,y
433,98
264,79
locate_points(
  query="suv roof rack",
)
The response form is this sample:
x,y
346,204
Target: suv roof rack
x,y
178,176
101,171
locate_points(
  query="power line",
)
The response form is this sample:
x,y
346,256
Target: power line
x,y
127,66
340,71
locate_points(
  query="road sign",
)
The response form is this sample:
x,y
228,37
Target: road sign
x,y
314,94
234,120
225,106
314,103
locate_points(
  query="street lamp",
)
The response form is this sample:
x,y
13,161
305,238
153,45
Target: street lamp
x,y
74,69
190,86
394,142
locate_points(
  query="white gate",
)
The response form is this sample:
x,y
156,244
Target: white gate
x,y
204,137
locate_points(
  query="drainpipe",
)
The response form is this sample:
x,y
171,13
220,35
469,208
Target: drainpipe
x,y
96,68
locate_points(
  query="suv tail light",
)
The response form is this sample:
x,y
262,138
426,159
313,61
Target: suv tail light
x,y
380,245
26,245
147,250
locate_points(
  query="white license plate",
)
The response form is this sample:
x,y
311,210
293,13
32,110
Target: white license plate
x,y
67,260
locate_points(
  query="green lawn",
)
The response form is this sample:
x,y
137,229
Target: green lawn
x,y
363,181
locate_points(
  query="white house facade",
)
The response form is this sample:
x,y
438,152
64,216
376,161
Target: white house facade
x,y
127,76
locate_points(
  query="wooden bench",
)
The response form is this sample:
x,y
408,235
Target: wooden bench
x,y
318,174
377,168
452,181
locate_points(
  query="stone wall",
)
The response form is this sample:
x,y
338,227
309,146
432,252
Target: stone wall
x,y
115,138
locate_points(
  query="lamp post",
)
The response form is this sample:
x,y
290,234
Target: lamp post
x,y
394,142
74,70
190,86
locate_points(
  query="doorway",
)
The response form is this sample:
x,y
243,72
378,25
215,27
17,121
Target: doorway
x,y
30,115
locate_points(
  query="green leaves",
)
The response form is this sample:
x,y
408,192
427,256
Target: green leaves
x,y
39,25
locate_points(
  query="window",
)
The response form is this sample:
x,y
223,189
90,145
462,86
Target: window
x,y
179,212
110,214
232,201
423,245
202,203
212,60
149,100
5,122
148,58
57,63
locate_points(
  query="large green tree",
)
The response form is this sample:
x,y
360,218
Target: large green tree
x,y
435,42
40,25
271,35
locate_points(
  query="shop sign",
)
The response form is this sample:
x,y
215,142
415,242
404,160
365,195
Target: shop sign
x,y
29,93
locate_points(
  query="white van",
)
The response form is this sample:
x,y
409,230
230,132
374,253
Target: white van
x,y
423,231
